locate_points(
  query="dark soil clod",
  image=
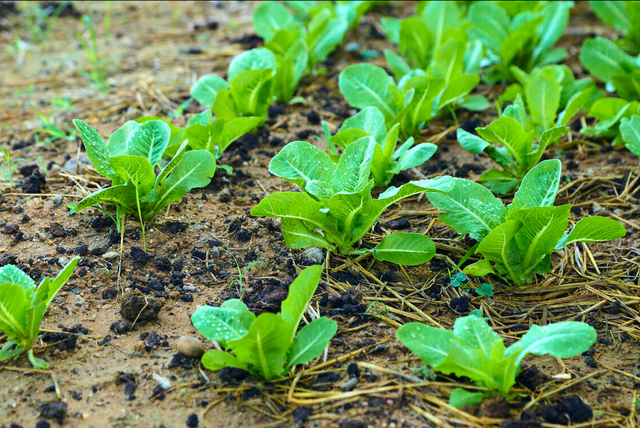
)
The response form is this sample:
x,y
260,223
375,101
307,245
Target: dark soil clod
x,y
571,409
140,309
55,410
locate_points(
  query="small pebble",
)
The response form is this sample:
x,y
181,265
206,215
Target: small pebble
x,y
190,346
57,200
110,255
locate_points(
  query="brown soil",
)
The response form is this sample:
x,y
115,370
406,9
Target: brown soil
x,y
102,378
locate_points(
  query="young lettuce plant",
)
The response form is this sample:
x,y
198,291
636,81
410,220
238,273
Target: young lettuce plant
x,y
336,208
623,16
609,113
516,242
387,160
511,139
249,91
129,159
268,345
435,44
301,42
22,307
411,103
473,350
518,33
607,62
630,131
203,133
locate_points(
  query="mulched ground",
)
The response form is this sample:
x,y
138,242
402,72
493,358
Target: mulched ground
x,y
103,374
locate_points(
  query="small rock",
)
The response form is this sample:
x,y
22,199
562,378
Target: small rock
x,y
140,309
399,224
75,164
121,327
192,421
596,208
57,200
139,255
190,346
313,256
110,255
243,234
54,410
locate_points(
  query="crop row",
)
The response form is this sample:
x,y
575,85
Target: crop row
x,y
443,52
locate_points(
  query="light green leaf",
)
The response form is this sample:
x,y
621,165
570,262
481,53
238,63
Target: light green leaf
x,y
96,149
149,140
46,293
352,173
539,187
253,59
396,64
327,41
413,157
230,321
269,18
458,88
311,341
206,89
297,235
121,194
575,103
468,207
391,28
489,24
302,163
431,344
479,268
300,294
120,141
476,333
511,134
370,120
460,398
403,248
415,42
543,97
265,345
594,229
499,247
224,107
603,59
13,312
364,85
205,137
217,360
134,169
9,274
613,13
476,103
251,91
630,130
561,340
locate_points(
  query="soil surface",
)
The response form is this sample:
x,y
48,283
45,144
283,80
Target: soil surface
x,y
110,336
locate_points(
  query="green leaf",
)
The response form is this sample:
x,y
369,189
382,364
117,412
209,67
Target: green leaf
x,y
134,169
269,18
448,62
431,344
96,149
470,142
251,91
206,89
613,13
630,130
603,59
539,187
396,64
403,248
498,181
9,274
253,59
476,103
224,107
297,235
364,85
479,268
194,170
391,28
343,138
205,137
489,24
302,163
327,41
311,341
458,88
415,42
300,294
265,345
422,104
460,398
230,321
594,229
556,19
574,105
369,120
440,17
352,173
217,360
13,312
541,229
511,134
149,140
543,97
561,340
468,207
46,294
413,157
121,194
476,333
120,141
499,247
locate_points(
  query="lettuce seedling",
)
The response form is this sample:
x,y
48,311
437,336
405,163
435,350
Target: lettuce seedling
x,y
517,242
607,62
249,91
510,141
336,208
623,16
518,33
567,96
303,41
129,160
473,350
268,345
387,160
22,307
411,103
434,43
609,113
